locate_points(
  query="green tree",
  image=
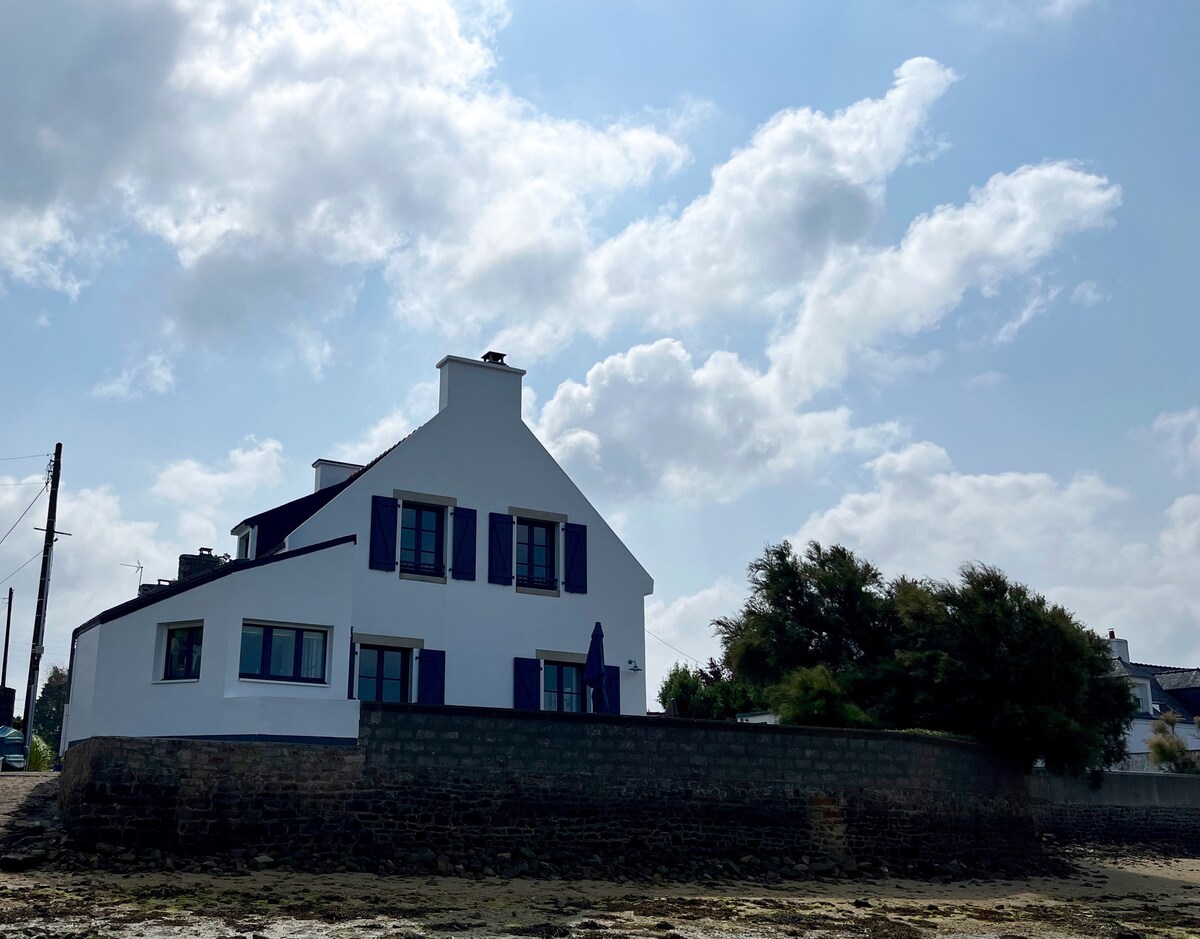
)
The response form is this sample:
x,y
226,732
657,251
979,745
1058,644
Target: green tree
x,y
707,693
813,696
826,641
823,609
51,703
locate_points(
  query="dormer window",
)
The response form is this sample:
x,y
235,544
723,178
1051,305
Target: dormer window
x,y
1141,695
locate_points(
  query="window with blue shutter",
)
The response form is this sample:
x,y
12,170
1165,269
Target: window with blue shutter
x,y
383,533
527,684
612,689
462,567
500,554
575,558
431,676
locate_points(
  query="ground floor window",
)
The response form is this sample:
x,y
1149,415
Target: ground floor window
x,y
384,674
563,688
283,653
183,652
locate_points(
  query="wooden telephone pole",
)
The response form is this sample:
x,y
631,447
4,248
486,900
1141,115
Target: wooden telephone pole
x,y
39,616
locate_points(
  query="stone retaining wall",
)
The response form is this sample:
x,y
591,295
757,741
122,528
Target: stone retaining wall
x,y
1149,809
513,793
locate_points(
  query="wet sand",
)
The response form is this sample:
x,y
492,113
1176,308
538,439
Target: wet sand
x,y
1108,898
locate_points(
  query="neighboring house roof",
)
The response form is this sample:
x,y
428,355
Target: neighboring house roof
x,y
274,525
1183,679
182,586
1162,686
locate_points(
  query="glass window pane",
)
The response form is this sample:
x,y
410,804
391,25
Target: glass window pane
x,y
539,536
391,691
252,640
549,701
570,679
408,539
366,688
551,673
408,517
312,655
367,661
195,637
283,653
392,660
572,703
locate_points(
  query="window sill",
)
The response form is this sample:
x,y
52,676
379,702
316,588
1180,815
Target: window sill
x,y
175,681
423,578
284,681
537,591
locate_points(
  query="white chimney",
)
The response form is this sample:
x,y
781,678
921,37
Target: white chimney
x,y
1120,647
331,472
487,387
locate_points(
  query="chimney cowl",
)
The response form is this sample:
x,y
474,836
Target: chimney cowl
x,y
495,358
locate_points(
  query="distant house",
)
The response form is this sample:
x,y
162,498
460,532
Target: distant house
x,y
1157,689
460,567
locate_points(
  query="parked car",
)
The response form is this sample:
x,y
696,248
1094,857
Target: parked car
x,y
12,749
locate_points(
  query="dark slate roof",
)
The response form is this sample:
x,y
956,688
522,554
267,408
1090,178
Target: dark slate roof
x,y
274,525
1184,678
1161,695
182,586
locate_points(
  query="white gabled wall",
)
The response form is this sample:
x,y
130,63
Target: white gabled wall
x,y
478,451
116,686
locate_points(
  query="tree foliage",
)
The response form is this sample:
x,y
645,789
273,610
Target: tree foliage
x,y
825,640
51,704
708,692
1168,750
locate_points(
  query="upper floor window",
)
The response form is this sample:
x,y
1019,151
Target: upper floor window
x,y
283,653
535,554
422,539
183,652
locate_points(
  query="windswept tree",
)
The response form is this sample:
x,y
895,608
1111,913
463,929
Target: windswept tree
x,y
825,640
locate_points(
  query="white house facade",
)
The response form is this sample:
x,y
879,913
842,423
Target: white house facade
x,y
1157,689
460,567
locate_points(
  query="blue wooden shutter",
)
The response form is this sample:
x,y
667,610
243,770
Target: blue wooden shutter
x,y
431,676
462,567
383,533
527,684
575,559
500,569
612,689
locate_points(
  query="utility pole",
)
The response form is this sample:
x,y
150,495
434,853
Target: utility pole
x,y
7,695
39,616
7,634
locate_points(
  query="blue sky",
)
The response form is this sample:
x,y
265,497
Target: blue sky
x,y
910,277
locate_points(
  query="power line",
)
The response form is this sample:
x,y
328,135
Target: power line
x,y
23,514
667,644
32,456
32,559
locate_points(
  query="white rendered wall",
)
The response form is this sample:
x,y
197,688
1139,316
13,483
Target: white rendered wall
x,y
1142,729
116,678
478,451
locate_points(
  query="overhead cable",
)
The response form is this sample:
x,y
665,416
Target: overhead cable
x,y
23,514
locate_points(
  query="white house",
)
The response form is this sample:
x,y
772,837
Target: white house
x,y
460,567
1157,689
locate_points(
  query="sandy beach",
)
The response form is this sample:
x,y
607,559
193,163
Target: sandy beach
x,y
1108,897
